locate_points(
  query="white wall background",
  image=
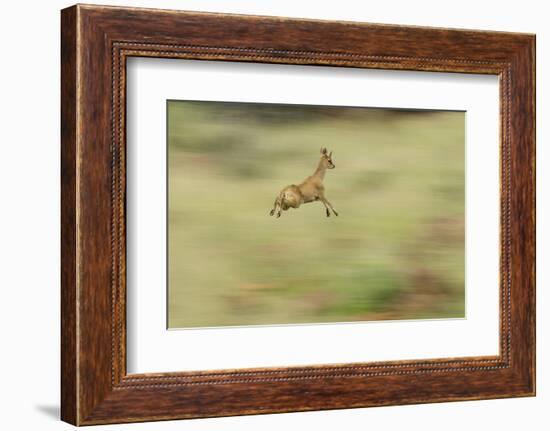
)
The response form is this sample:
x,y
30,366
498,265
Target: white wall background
x,y
29,215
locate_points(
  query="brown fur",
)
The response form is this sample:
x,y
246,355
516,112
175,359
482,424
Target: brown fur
x,y
310,190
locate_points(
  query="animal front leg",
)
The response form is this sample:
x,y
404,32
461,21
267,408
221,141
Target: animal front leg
x,y
326,207
329,205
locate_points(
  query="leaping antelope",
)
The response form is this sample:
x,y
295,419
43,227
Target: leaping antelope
x,y
310,190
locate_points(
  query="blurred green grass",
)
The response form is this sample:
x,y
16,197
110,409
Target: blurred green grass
x,y
395,252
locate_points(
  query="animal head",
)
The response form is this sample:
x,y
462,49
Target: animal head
x,y
326,158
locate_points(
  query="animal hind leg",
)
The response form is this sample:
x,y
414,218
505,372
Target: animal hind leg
x,y
280,207
275,204
281,203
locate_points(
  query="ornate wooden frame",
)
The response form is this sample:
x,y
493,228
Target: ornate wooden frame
x,y
95,42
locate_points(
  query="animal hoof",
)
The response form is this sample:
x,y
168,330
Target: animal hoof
x,y
271,212
278,215
335,213
328,213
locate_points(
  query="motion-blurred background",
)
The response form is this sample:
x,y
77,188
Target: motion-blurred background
x,y
396,251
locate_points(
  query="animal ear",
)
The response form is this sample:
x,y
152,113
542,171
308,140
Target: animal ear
x,y
330,155
323,150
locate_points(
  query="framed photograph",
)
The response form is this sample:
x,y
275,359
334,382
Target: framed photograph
x,y
262,215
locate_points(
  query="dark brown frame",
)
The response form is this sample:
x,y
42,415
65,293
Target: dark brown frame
x,y
95,43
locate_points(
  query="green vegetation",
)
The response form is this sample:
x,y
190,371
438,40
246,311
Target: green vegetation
x,y
395,252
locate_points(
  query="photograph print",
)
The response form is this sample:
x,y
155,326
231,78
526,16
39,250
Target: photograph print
x,y
302,214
